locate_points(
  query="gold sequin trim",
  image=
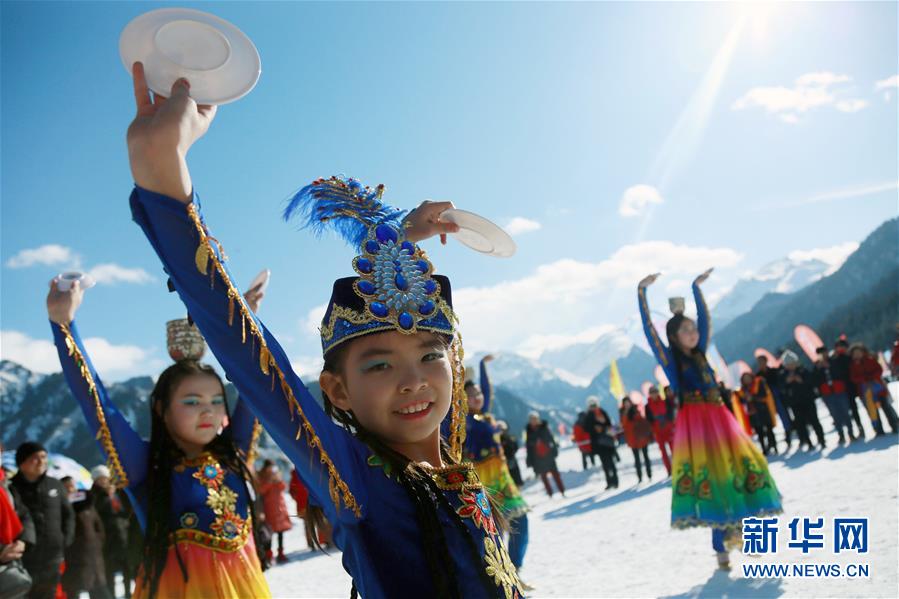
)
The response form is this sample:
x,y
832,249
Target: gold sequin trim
x,y
117,472
337,487
460,399
214,542
348,314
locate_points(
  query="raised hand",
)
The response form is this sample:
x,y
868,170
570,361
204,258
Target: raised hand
x,y
161,134
703,277
649,280
424,222
62,305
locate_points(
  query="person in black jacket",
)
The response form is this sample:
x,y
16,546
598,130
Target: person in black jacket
x,y
16,535
114,510
542,451
603,440
799,395
840,363
774,379
54,520
84,570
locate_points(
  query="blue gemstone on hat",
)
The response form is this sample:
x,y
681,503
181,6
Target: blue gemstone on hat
x,y
406,321
401,283
423,265
354,185
364,265
372,246
378,309
408,246
366,287
430,286
385,233
427,307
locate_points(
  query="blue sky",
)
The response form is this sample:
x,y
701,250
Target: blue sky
x,y
637,136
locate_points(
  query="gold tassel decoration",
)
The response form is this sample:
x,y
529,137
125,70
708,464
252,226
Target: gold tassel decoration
x,y
340,491
117,471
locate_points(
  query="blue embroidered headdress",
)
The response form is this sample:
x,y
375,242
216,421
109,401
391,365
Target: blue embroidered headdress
x,y
395,288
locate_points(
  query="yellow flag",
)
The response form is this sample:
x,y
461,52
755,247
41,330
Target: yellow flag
x,y
616,387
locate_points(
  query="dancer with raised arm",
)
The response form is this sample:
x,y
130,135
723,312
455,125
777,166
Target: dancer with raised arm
x,y
719,475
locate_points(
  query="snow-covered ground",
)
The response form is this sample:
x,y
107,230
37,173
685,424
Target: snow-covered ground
x,y
597,543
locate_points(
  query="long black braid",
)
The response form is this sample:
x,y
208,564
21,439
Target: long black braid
x,y
164,456
424,494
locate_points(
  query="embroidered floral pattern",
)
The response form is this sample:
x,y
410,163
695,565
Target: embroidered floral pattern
x,y
477,507
220,498
500,568
189,520
684,483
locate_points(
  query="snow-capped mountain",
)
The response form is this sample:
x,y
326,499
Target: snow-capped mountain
x,y
535,383
40,407
787,275
581,362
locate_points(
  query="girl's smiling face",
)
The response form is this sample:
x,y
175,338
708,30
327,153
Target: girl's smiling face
x,y
398,386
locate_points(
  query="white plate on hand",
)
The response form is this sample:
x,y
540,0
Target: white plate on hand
x,y
65,280
480,234
218,59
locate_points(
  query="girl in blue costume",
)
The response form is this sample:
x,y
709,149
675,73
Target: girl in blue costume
x,y
484,449
719,476
411,519
190,484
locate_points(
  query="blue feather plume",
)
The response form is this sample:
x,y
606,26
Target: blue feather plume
x,y
342,205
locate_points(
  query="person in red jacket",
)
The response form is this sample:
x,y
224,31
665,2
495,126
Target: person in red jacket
x,y
867,375
638,434
300,495
660,414
271,488
580,435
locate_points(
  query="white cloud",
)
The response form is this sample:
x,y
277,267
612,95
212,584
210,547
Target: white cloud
x,y
887,84
58,255
307,367
519,225
46,255
637,199
535,345
851,105
833,256
113,273
849,193
556,299
810,91
39,355
310,325
677,285
822,78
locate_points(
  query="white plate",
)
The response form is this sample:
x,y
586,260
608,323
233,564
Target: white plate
x,y
261,281
480,234
64,280
218,59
